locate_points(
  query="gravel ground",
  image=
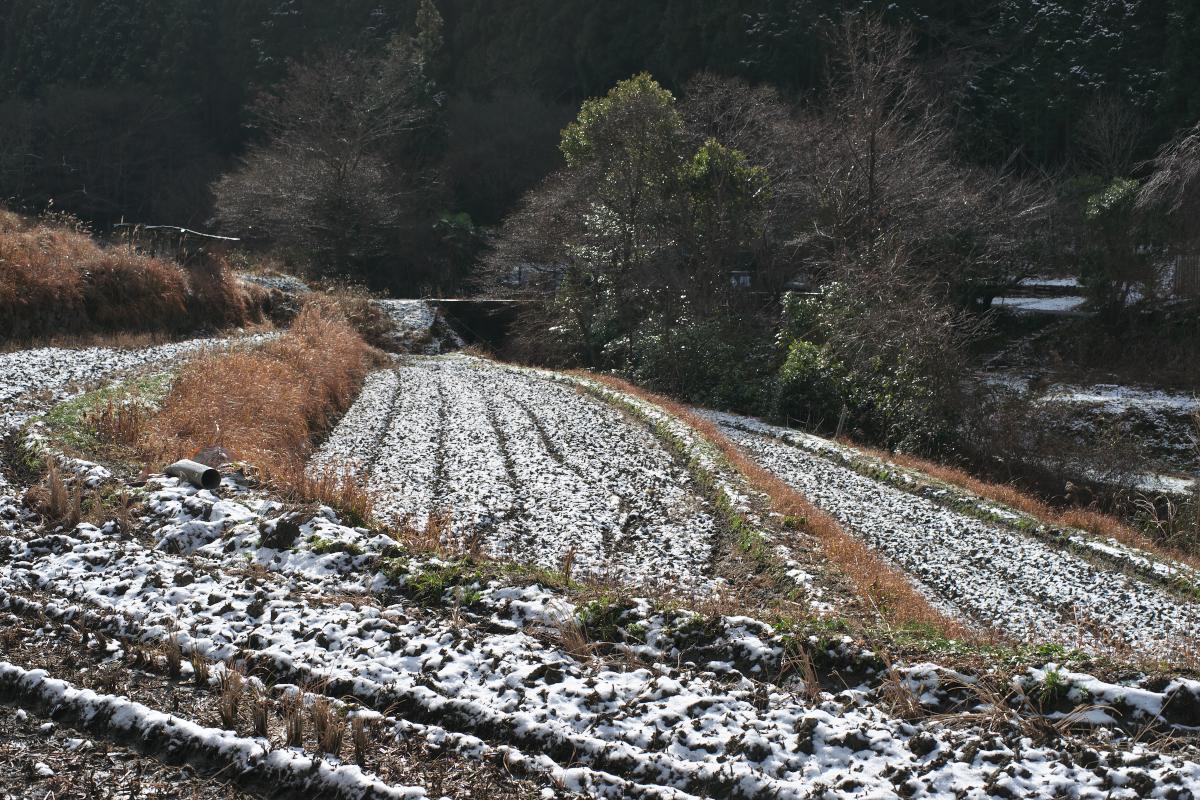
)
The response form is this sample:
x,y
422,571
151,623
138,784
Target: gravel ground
x,y
988,574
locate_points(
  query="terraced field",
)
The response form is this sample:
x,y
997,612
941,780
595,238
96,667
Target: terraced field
x,y
538,470
213,627
983,571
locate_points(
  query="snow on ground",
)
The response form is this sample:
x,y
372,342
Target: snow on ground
x,y
285,768
1057,283
987,573
414,316
288,284
539,471
31,381
1042,305
1157,422
1119,399
419,327
485,679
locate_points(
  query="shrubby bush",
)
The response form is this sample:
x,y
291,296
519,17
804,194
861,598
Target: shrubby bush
x,y
865,364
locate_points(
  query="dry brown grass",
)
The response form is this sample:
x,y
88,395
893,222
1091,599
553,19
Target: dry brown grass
x,y
883,589
341,490
56,499
118,423
266,406
358,307
56,280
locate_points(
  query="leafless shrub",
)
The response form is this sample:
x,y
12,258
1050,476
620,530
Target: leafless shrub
x,y
324,183
1110,135
1174,184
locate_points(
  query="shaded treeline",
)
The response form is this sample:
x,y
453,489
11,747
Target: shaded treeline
x,y
133,108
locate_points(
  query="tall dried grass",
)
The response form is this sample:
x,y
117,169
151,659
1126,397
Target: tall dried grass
x,y
269,406
265,406
56,281
880,587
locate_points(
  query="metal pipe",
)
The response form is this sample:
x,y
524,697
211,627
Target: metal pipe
x,y
196,474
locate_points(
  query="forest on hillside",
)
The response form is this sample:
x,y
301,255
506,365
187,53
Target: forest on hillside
x,y
799,208
132,108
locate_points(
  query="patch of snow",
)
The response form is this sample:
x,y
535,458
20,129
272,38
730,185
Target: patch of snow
x,y
1041,305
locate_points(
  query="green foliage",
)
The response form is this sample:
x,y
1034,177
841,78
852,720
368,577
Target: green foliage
x,y
647,290
601,618
709,361
322,546
432,584
1113,262
68,426
897,391
629,131
1114,204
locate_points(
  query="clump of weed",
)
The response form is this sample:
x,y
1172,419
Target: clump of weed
x,y
291,706
232,684
329,726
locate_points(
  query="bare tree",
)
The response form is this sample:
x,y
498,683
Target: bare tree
x,y
1110,136
1173,188
327,181
876,169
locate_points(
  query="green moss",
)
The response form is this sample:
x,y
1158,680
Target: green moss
x,y
322,546
431,585
601,619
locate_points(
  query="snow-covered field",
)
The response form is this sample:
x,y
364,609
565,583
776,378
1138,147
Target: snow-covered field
x,y
490,679
537,470
31,381
1158,425
985,572
545,469
1043,305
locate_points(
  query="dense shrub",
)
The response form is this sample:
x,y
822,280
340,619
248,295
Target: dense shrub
x,y
883,369
713,362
